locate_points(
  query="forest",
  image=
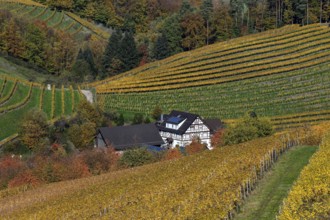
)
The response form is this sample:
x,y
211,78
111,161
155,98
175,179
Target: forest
x,y
145,30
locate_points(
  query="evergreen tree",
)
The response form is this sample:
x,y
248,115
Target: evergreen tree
x,y
111,53
185,8
300,11
84,67
88,57
206,9
161,49
129,55
237,7
80,68
173,31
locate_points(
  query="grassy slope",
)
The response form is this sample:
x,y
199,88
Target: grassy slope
x,y
162,186
8,88
265,201
58,103
20,93
76,98
1,86
47,102
9,122
9,68
67,102
35,11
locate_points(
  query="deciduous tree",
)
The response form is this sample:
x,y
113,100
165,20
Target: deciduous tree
x,y
34,130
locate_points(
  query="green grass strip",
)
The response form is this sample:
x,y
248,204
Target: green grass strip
x,y
48,14
58,103
36,12
8,91
67,102
2,85
265,200
20,93
47,103
76,97
10,122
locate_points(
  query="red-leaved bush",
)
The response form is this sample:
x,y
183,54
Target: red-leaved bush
x,y
195,147
9,168
172,154
217,138
25,178
100,160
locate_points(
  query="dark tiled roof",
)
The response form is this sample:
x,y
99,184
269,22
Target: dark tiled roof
x,y
213,124
190,118
126,137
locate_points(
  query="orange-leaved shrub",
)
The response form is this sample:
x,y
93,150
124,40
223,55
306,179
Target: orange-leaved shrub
x,y
195,147
100,160
25,178
217,138
9,168
172,154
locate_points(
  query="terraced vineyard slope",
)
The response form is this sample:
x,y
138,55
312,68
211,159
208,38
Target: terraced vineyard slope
x,y
18,96
204,186
62,20
282,74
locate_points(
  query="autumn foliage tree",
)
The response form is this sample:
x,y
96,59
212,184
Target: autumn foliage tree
x,y
248,128
217,138
100,160
34,42
173,154
34,130
195,147
10,167
89,117
194,31
26,178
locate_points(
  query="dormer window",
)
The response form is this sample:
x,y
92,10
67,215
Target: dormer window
x,y
175,122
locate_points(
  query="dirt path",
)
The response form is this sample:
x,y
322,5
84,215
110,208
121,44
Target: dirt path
x,y
89,95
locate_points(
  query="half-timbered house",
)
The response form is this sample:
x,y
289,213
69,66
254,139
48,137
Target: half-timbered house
x,y
180,128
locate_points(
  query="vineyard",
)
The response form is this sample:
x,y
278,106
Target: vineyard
x,y
282,74
18,96
61,20
309,197
210,185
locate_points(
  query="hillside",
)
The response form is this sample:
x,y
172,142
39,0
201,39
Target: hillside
x,y
18,96
61,20
282,74
207,185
